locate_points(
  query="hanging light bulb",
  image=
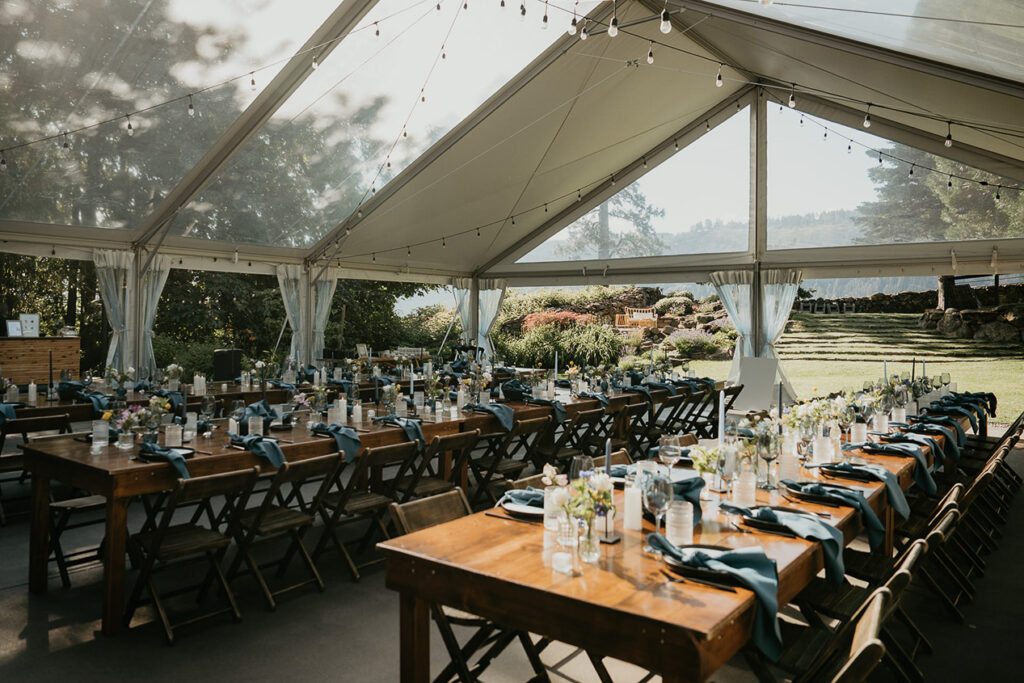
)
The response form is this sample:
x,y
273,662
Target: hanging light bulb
x,y
666,25
252,82
801,119
718,78
879,157
572,26
359,213
3,162
579,193
513,220
949,134
613,27
522,11
191,109
824,138
675,143
583,31
545,207
867,117
439,5
849,148
315,64
443,245
544,19
613,178
949,183
997,193
645,162
478,232
792,99
376,28
131,131
66,144
707,126
408,251
650,53
348,231
911,174
375,257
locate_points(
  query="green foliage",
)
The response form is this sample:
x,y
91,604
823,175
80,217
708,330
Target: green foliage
x,y
692,343
192,356
710,298
521,303
674,305
582,344
426,327
594,231
632,340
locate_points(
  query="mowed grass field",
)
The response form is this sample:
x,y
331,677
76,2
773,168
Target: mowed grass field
x,y
825,353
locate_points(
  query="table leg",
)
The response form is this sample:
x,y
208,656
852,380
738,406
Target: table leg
x,y
39,538
113,565
889,520
415,639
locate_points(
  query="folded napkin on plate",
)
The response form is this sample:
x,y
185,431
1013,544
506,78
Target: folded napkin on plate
x,y
280,384
897,499
600,398
515,390
7,412
805,526
942,421
345,437
666,386
950,449
100,403
528,496
913,437
174,397
264,448
505,415
845,496
412,428
637,389
922,473
750,567
154,452
556,406
619,471
68,390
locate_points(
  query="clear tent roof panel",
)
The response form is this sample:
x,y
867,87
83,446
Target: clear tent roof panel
x,y
934,29
68,65
374,105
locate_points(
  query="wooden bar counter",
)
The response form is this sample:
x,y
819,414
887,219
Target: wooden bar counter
x,y
25,359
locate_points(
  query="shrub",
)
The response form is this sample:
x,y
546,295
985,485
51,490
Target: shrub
x,y
592,344
726,339
632,340
192,356
723,325
675,305
710,298
560,318
426,327
582,344
693,343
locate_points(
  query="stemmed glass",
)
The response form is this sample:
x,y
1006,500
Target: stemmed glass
x,y
846,418
669,451
582,466
657,494
238,411
208,407
946,379
768,449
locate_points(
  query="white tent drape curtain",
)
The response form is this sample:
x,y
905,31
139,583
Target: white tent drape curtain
x,y
778,291
323,295
153,281
733,288
491,294
291,280
112,271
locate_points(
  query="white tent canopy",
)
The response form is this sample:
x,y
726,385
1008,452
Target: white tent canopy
x,y
581,121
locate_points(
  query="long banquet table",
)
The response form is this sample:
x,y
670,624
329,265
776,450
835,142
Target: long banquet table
x,y
116,475
622,606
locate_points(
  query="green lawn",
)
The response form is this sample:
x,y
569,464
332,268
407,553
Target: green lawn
x,y
823,354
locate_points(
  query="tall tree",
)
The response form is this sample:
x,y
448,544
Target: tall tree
x,y
594,235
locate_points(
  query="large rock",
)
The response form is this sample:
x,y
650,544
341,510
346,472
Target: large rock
x,y
930,319
950,323
977,318
997,331
705,318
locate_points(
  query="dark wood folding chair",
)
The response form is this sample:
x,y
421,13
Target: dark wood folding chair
x,y
488,637
427,476
173,544
509,458
702,419
26,427
574,439
620,457
660,417
271,519
366,496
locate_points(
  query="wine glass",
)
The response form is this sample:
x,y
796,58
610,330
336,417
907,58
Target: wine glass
x,y
869,385
582,466
669,451
847,416
208,407
946,379
657,494
238,410
768,450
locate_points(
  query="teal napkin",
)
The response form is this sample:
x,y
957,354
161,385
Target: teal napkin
x,y
940,409
750,567
991,403
68,390
846,496
529,496
100,403
555,405
638,389
288,386
670,388
805,526
600,398
944,421
505,415
174,397
345,437
974,406
515,390
6,412
689,490
949,445
260,446
892,485
156,452
919,439
412,428
922,474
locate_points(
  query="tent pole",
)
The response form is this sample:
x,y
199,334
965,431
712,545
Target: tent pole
x,y
279,335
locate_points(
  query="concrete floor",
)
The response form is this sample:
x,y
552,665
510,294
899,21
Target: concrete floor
x,y
349,632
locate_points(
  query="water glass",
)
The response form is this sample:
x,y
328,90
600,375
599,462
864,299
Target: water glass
x,y
172,436
568,532
256,425
669,450
554,496
582,465
100,433
679,522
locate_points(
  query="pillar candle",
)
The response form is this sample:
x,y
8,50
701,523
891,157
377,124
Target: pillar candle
x,y
721,418
556,364
608,456
885,371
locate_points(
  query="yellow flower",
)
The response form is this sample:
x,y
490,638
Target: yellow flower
x,y
106,415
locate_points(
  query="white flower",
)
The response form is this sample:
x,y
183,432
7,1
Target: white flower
x,y
601,482
560,495
260,365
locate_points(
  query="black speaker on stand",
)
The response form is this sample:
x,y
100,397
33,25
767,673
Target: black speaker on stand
x,y
227,364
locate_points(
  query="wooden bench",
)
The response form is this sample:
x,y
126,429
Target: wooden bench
x,y
637,317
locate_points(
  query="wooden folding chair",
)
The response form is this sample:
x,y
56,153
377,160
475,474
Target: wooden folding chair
x,y
26,427
575,438
270,520
509,458
427,476
427,512
173,544
366,496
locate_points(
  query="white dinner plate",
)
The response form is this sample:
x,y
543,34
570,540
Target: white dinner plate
x,y
522,510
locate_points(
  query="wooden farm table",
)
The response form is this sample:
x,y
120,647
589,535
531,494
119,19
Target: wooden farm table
x,y
114,474
622,606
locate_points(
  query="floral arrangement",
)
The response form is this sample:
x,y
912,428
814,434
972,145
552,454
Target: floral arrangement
x,y
112,374
130,417
590,496
7,383
809,414
289,363
551,477
388,394
260,366
436,385
173,371
573,370
301,400
705,459
158,406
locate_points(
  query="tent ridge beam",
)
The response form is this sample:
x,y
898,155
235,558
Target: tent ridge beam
x,y
461,130
284,84
626,175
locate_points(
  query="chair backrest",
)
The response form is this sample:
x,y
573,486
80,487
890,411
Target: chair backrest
x,y
619,457
536,481
729,394
687,440
460,445
942,530
866,648
428,512
579,429
904,573
234,486
641,313
949,502
46,423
